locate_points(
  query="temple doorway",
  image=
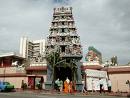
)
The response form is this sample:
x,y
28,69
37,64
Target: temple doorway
x,y
62,73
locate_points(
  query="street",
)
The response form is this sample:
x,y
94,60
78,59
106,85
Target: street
x,y
33,95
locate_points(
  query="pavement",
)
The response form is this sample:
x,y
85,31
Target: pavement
x,y
53,92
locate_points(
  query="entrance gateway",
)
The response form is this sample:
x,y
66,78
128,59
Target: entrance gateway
x,y
63,36
62,73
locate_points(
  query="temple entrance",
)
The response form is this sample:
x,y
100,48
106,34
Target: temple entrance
x,y
62,73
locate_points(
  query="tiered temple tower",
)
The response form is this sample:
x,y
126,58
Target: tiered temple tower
x,y
93,56
63,34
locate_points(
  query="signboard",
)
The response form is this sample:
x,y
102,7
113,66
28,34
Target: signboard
x,y
96,73
92,79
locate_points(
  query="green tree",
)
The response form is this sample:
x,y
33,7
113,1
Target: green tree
x,y
73,67
54,59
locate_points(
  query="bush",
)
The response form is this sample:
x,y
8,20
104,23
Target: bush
x,y
24,86
39,86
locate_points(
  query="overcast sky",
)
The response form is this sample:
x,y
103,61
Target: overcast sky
x,y
104,24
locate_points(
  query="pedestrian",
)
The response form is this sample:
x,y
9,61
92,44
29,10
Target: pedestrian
x,y
67,80
66,85
101,85
71,87
109,85
22,85
74,86
61,85
57,83
83,87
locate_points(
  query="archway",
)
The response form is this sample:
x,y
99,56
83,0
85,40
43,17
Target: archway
x,y
63,72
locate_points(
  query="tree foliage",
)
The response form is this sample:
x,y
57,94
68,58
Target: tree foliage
x,y
54,60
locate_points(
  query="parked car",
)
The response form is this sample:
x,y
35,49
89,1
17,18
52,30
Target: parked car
x,y
6,86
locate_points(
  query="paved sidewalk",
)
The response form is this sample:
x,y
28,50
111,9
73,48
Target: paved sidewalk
x,y
53,92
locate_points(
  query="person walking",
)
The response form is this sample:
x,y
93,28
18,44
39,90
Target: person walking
x,y
101,85
109,85
57,82
61,85
71,87
66,85
83,87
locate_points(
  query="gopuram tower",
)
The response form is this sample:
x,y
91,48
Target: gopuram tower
x,y
63,38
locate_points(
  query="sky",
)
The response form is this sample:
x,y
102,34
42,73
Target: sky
x,y
104,24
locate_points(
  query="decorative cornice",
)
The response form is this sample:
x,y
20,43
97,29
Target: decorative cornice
x,y
119,70
13,75
96,67
36,68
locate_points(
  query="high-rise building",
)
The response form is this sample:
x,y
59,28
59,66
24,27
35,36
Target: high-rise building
x,y
32,50
34,53
63,35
